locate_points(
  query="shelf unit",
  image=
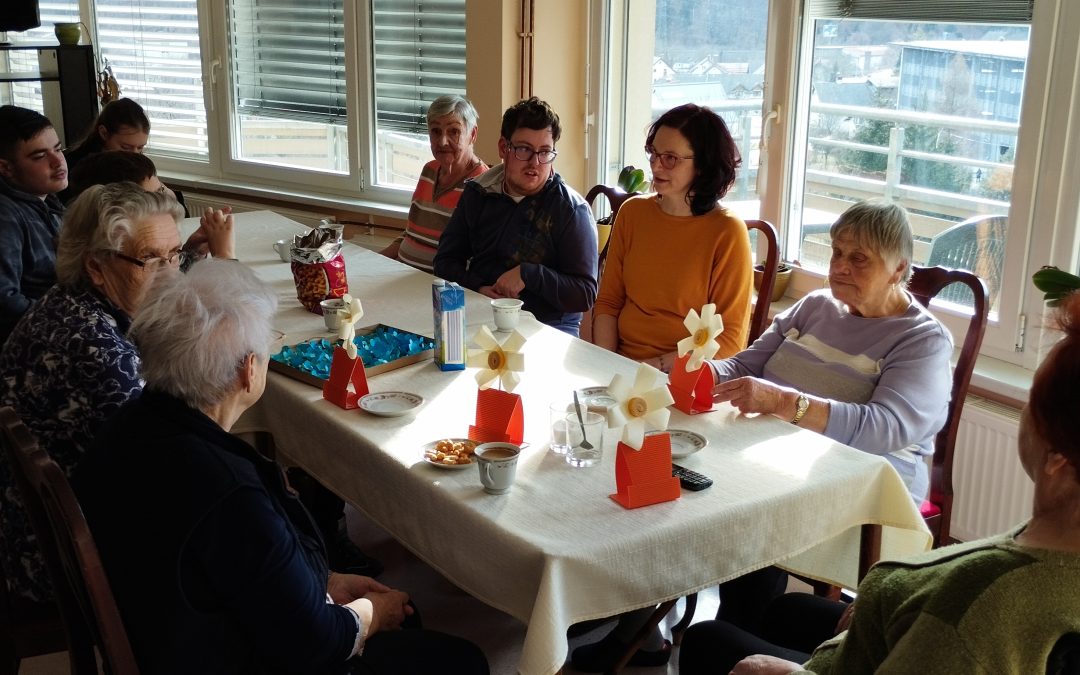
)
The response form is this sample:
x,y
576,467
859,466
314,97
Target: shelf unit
x,y
68,82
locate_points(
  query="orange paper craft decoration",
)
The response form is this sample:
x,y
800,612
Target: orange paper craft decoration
x,y
345,372
692,391
643,477
499,418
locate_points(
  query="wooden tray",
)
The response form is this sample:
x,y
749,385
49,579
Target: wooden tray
x,y
370,371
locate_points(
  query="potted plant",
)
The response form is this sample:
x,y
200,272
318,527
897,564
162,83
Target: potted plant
x,y
783,277
631,181
1055,284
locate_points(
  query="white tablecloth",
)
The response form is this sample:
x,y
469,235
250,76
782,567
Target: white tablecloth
x,y
556,550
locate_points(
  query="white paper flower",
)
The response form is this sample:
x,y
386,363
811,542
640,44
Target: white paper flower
x,y
347,331
498,362
703,331
644,403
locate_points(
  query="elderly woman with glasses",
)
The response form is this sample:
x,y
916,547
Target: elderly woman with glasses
x,y
677,249
451,122
68,365
215,565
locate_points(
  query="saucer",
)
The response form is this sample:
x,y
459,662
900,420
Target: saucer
x,y
683,443
391,403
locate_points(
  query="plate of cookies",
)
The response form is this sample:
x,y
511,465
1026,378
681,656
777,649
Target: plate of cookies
x,y
450,453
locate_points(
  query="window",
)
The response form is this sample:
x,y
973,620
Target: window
x,y
958,110
419,52
665,53
288,79
894,102
153,49
324,95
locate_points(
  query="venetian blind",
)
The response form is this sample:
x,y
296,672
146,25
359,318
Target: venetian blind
x,y
153,48
938,11
288,58
419,55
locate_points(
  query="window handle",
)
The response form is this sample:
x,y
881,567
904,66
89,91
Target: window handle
x,y
215,65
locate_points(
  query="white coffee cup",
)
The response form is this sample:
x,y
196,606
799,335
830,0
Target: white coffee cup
x,y
282,248
497,463
507,311
333,313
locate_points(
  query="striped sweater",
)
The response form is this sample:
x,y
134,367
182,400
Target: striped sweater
x,y
428,215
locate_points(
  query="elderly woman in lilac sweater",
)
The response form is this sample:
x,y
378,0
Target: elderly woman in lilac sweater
x,y
862,362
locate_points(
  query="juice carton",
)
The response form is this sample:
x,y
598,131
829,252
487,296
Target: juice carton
x,y
448,308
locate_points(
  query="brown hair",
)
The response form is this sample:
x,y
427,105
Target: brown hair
x,y
1053,402
716,157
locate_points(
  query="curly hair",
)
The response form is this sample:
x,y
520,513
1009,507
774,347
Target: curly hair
x,y
716,158
530,113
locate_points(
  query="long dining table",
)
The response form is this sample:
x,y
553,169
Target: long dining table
x,y
556,549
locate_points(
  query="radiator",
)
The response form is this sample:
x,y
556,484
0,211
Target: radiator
x,y
196,203
991,491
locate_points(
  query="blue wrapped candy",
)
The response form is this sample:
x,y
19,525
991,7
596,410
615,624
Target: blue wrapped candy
x,y
382,345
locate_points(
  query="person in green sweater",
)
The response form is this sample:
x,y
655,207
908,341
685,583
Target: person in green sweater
x,y
1007,604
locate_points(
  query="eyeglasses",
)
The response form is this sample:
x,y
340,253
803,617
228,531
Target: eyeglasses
x,y
176,257
666,159
525,154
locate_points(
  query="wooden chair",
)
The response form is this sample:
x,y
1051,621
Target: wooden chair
x,y
615,196
927,282
759,321
82,590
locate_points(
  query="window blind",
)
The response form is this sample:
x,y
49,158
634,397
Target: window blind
x,y
153,48
288,59
937,11
419,55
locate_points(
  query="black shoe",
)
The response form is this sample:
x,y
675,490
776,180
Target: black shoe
x,y
601,656
347,558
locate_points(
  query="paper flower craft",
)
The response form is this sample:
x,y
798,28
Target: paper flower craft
x,y
353,312
643,403
500,362
702,341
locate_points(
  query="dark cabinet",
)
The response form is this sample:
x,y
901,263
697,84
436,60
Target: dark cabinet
x,y
67,78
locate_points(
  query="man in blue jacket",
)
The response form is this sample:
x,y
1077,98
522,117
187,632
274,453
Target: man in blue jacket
x,y
519,231
32,171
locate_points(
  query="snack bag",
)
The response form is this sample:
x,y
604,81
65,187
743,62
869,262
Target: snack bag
x,y
318,267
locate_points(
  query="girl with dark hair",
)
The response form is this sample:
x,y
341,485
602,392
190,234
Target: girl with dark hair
x,y
121,125
677,249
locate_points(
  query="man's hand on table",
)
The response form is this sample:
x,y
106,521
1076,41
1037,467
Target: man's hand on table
x,y
759,664
509,283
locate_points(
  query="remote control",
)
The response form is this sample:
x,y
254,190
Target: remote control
x,y
690,480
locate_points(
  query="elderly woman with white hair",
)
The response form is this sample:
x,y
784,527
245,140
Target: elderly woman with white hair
x,y
214,563
451,124
68,365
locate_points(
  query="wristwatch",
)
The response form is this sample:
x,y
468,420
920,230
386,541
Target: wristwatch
x,y
801,404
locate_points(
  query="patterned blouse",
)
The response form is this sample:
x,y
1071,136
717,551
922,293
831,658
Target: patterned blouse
x,y
65,369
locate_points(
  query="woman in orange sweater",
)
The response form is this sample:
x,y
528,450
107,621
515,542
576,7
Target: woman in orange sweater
x,y
677,249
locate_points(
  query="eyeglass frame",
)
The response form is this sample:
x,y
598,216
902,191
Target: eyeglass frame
x,y
652,154
178,256
515,150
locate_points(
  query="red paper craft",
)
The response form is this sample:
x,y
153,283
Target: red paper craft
x,y
643,477
499,418
345,372
692,391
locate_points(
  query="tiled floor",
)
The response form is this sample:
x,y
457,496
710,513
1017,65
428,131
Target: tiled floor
x,y
446,608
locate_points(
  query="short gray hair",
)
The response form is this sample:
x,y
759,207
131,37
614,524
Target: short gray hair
x,y
194,330
452,104
103,218
882,227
